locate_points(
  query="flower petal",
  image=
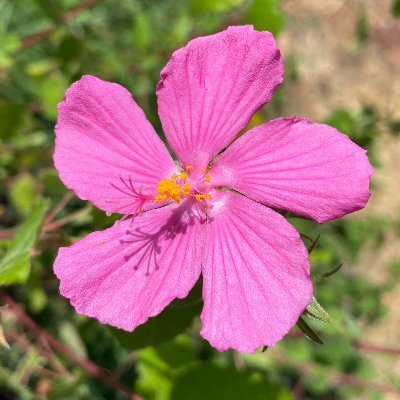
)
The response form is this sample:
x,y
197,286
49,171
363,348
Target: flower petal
x,y
256,279
106,150
211,87
133,270
292,164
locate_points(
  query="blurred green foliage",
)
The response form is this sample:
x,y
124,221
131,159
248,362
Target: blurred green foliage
x,y
129,42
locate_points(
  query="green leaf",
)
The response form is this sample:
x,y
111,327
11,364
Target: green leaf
x,y
52,90
209,381
266,15
320,277
394,126
396,8
15,265
198,7
343,121
362,29
24,193
308,331
50,9
12,117
154,375
142,31
315,310
173,320
70,49
51,183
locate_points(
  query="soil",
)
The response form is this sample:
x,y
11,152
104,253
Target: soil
x,y
337,70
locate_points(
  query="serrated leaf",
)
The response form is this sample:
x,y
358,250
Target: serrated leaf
x,y
15,265
319,277
308,331
315,310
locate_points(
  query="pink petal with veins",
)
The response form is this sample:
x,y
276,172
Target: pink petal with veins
x,y
256,279
210,89
106,150
131,271
295,165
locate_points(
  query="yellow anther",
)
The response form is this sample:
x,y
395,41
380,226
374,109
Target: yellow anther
x,y
174,176
184,176
168,189
208,179
186,189
189,168
202,169
200,196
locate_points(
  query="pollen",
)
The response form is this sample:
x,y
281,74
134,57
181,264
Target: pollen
x,y
189,167
176,188
186,189
200,196
208,179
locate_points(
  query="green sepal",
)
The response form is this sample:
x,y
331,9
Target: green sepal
x,y
311,247
308,331
319,277
315,310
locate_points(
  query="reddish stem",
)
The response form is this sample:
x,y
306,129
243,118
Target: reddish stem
x,y
92,369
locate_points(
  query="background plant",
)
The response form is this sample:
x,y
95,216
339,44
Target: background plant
x,y
56,354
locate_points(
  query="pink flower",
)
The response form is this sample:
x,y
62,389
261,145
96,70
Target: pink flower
x,y
184,219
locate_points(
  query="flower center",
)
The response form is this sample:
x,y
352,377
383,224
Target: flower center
x,y
178,187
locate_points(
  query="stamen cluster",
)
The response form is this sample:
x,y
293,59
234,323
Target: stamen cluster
x,y
177,187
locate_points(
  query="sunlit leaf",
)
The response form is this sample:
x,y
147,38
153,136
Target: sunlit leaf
x,y
142,31
52,90
15,265
24,193
265,15
203,6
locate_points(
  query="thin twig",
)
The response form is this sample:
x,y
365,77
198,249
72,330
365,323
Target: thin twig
x,y
46,352
91,369
52,226
377,348
59,207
